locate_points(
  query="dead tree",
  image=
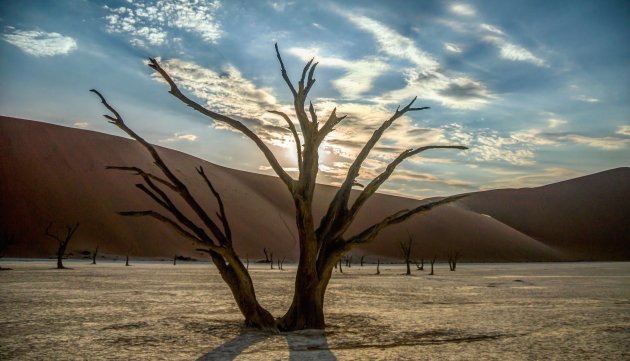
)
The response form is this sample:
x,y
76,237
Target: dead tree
x,y
321,245
340,268
348,261
420,266
432,260
127,260
266,255
405,249
174,260
362,257
453,257
281,263
94,254
271,260
378,266
62,241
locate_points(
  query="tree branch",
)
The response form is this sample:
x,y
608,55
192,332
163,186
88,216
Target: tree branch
x,y
375,184
143,174
339,205
328,127
371,232
180,187
285,76
222,216
271,158
162,218
296,137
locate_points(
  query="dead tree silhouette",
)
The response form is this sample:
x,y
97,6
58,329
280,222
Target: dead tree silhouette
x,y
320,246
405,249
62,241
94,254
453,257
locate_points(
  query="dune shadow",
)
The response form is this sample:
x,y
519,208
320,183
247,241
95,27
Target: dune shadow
x,y
301,344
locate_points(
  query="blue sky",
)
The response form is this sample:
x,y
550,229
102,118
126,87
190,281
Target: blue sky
x,y
539,90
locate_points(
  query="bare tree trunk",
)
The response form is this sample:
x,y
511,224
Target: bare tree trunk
x,y
266,255
94,254
362,257
405,248
127,260
378,265
340,268
432,262
174,260
271,260
453,257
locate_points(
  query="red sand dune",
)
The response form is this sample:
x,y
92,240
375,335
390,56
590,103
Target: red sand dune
x,y
50,173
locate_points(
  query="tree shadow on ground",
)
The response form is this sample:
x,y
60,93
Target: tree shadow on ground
x,y
311,344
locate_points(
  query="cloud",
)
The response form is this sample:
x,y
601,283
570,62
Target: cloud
x,y
555,123
153,22
39,43
463,9
360,74
81,125
492,29
452,48
624,130
179,136
518,179
425,78
587,99
513,52
604,143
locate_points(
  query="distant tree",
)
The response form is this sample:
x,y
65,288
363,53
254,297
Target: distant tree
x,y
174,260
362,257
94,254
405,249
266,255
62,241
321,246
127,260
453,257
281,263
271,260
378,266
340,268
432,260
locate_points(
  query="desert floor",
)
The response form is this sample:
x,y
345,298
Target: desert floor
x,y
157,311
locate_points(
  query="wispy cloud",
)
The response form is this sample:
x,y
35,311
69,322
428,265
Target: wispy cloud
x,y
555,123
624,130
179,136
587,99
513,52
463,9
81,125
426,78
39,43
604,143
452,48
360,74
151,22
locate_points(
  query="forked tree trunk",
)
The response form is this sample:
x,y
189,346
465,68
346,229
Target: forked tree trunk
x,y
94,254
63,242
432,262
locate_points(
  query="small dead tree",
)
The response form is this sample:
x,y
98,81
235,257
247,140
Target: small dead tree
x,y
94,254
453,257
340,268
321,244
266,255
378,266
281,263
175,260
405,249
349,261
127,260
271,260
62,241
362,257
432,260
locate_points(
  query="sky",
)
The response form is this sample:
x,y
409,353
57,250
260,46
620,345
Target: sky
x,y
538,90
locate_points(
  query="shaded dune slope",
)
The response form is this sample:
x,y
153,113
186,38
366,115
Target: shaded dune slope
x,y
50,173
